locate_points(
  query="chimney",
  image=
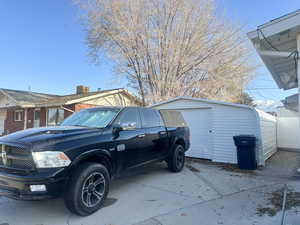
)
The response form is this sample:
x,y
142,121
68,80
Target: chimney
x,y
80,89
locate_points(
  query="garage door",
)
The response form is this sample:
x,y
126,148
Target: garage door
x,y
199,122
2,118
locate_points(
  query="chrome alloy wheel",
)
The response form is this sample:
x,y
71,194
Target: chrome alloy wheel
x,y
180,157
93,189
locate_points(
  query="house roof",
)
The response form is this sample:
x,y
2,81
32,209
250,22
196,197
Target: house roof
x,y
26,97
276,44
34,99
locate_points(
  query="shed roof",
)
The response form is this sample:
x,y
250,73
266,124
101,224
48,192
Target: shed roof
x,y
258,113
266,116
276,44
204,100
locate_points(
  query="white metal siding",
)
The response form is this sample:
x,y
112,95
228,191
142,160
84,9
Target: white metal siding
x,y
287,129
227,121
268,134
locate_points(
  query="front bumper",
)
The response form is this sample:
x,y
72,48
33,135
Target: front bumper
x,y
18,186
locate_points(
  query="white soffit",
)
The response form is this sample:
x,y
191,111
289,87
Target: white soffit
x,y
276,44
291,102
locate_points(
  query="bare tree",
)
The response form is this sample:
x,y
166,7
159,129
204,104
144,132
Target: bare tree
x,y
245,99
168,48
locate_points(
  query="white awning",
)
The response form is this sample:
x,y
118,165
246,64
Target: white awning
x,y
276,44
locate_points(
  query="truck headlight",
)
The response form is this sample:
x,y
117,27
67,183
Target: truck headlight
x,y
50,159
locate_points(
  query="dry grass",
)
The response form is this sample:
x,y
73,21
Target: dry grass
x,y
223,166
192,168
235,169
275,200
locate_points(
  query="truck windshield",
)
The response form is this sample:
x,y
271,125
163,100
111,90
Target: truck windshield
x,y
94,118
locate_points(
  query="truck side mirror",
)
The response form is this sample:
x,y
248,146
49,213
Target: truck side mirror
x,y
116,130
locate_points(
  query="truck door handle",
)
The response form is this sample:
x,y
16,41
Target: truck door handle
x,y
141,135
162,132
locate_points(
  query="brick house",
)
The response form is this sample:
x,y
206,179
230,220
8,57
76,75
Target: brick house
x,y
24,109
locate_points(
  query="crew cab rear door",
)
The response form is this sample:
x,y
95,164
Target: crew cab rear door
x,y
155,145
130,142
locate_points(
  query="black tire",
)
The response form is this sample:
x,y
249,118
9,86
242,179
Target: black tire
x,y
87,189
177,159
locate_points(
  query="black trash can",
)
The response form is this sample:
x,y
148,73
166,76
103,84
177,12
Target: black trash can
x,y
246,155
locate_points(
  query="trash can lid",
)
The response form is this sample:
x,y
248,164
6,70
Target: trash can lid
x,y
245,135
244,140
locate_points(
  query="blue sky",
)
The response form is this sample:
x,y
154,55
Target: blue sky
x,y
42,45
251,14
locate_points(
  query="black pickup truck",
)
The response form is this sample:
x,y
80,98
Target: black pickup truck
x,y
80,157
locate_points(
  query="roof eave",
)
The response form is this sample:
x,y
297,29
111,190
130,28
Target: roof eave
x,y
8,96
276,26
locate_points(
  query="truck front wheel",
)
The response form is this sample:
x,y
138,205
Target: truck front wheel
x,y
87,189
177,159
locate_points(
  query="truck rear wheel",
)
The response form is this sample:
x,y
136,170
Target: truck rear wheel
x,y
177,159
87,189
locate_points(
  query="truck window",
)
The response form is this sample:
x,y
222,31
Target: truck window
x,y
129,115
150,118
173,118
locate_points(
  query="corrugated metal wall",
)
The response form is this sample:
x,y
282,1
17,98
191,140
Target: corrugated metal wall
x,y
268,125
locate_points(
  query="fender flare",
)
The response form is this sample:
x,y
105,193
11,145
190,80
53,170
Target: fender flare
x,y
175,139
93,152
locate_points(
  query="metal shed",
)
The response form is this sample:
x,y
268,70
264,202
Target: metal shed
x,y
213,125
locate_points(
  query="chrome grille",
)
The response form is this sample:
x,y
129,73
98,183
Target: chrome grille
x,y
13,157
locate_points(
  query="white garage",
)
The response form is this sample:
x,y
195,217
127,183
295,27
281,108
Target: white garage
x,y
213,125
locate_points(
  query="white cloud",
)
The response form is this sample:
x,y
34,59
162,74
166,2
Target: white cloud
x,y
267,105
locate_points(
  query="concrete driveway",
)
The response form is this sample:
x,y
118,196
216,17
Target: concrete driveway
x,y
204,193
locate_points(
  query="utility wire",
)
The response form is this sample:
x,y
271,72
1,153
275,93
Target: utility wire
x,y
262,88
295,55
266,39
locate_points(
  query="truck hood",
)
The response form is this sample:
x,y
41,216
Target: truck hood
x,y
48,135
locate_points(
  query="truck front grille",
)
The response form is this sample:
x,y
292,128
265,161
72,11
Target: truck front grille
x,y
15,158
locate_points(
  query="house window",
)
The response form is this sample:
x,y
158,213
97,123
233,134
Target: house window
x,y
18,115
54,116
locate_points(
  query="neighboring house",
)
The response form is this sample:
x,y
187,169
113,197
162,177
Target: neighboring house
x,y
287,127
24,109
213,125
